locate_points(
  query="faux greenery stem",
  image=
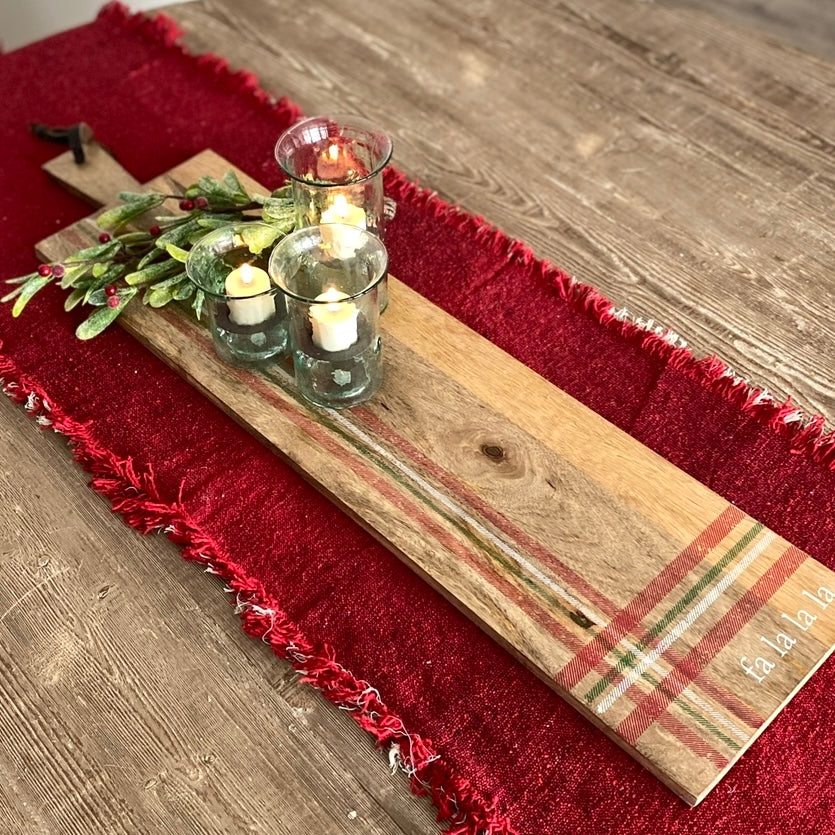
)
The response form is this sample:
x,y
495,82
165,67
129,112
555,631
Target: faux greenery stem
x,y
107,275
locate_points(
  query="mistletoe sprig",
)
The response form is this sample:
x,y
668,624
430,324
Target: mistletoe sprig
x,y
125,262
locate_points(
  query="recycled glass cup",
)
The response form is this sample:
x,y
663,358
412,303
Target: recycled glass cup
x,y
331,276
245,311
335,166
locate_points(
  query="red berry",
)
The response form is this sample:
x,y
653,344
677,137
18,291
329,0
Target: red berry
x,y
110,290
113,301
44,270
58,271
201,202
186,205
155,230
104,237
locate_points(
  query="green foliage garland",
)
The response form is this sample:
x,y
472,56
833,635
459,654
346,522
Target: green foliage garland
x,y
107,275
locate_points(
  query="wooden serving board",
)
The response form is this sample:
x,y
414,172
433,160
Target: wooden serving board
x,y
666,616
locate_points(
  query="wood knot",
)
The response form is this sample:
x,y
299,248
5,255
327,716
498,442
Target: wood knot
x,y
493,451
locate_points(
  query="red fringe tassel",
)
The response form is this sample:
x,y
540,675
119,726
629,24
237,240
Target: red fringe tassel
x,y
134,494
806,434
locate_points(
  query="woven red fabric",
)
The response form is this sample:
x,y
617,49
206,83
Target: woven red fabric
x,y
511,756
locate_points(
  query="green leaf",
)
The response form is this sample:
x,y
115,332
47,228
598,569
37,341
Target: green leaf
x,y
231,181
172,281
113,273
223,218
103,316
152,273
136,196
179,234
184,290
72,275
258,237
280,212
74,298
126,212
100,269
228,192
21,279
104,251
177,253
154,255
130,238
26,291
97,298
159,296
197,303
283,193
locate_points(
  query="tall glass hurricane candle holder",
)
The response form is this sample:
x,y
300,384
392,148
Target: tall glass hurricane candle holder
x,y
332,296
336,166
246,312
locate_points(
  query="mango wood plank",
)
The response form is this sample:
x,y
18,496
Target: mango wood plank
x,y
680,165
670,619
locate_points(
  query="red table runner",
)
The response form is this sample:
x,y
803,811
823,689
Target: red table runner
x,y
498,751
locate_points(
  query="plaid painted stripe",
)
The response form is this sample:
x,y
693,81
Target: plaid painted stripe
x,y
319,427
650,708
681,606
645,601
568,575
691,615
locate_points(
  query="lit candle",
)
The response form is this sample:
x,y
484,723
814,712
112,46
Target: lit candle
x,y
343,242
335,323
248,307
331,166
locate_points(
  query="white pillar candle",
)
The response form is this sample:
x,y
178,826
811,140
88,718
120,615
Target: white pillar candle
x,y
343,242
247,307
335,323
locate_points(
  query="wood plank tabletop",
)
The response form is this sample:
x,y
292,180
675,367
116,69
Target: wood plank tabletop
x,y
683,165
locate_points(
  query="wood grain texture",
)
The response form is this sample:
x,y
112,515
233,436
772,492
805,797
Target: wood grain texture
x,y
807,24
683,168
666,616
122,678
433,76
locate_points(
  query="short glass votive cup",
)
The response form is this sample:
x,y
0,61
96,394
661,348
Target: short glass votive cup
x,y
331,291
245,311
335,165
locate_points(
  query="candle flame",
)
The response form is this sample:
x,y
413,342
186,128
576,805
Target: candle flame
x,y
333,153
246,273
340,204
333,296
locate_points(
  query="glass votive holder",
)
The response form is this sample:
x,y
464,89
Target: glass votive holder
x,y
245,311
332,296
335,165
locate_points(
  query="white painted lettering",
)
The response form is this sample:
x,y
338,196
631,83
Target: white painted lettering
x,y
782,643
749,669
804,619
816,598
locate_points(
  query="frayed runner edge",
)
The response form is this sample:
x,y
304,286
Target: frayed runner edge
x,y
134,495
805,433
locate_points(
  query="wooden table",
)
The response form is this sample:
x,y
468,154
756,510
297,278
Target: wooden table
x,y
683,166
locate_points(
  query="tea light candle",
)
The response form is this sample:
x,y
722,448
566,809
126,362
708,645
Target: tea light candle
x,y
248,307
343,242
335,323
330,165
